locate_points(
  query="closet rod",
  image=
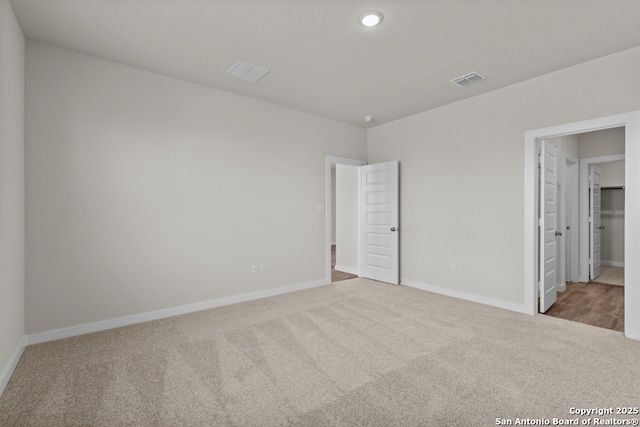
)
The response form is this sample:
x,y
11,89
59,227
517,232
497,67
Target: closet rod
x,y
621,187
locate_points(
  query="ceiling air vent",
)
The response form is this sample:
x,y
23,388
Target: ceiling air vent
x,y
247,71
467,79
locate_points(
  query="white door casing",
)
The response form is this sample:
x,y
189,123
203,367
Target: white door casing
x,y
595,222
571,211
631,122
380,222
548,224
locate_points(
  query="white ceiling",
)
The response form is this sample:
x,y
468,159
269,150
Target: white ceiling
x,y
323,62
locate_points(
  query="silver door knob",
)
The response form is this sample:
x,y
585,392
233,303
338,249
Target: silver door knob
x,y
393,229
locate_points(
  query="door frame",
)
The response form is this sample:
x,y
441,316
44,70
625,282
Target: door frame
x,y
330,162
570,216
585,164
631,123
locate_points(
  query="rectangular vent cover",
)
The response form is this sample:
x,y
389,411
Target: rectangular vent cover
x,y
247,71
467,79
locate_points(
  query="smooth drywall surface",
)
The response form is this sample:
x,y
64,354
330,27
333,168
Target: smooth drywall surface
x,y
601,143
462,179
347,219
146,192
12,252
612,174
569,145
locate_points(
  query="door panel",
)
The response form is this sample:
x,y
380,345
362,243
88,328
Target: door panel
x,y
380,216
548,222
596,221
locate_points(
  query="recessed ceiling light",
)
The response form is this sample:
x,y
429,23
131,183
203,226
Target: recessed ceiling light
x,y
370,18
368,119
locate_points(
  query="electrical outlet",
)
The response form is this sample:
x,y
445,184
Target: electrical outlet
x,y
452,268
263,268
254,270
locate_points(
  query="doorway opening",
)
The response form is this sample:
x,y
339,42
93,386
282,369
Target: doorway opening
x,y
629,125
613,214
366,221
589,229
338,185
345,251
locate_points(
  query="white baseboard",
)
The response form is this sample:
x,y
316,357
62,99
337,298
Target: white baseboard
x,y
161,314
520,308
561,287
612,263
13,362
349,270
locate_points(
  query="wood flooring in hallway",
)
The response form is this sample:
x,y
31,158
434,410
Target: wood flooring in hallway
x,y
596,304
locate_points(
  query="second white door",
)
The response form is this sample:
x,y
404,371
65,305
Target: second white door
x,y
548,225
596,222
380,222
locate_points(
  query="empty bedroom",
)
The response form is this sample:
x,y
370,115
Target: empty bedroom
x,y
317,213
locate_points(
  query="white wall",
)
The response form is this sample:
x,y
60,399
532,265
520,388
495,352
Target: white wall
x,y
569,145
601,143
347,219
462,175
146,192
12,261
612,174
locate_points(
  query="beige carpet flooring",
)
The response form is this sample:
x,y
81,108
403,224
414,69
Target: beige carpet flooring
x,y
355,353
611,275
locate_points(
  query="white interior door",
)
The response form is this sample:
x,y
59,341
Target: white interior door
x,y
595,221
379,222
548,225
